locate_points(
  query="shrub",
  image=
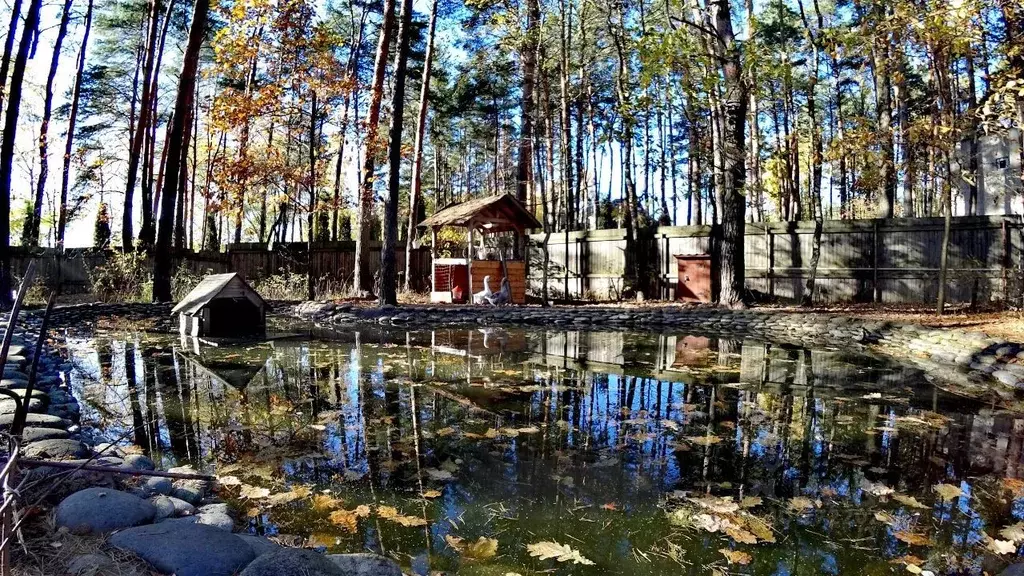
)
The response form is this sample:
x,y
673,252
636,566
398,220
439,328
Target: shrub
x,y
124,277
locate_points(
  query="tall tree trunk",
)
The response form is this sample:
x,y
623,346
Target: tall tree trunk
x,y
880,65
28,35
30,234
733,112
388,284
141,131
12,32
176,152
151,197
312,208
362,281
524,172
816,147
417,157
62,217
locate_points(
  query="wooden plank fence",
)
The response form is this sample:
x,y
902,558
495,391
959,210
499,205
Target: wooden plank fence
x,y
332,261
881,260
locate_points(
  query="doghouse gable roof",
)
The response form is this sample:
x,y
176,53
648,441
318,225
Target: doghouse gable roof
x,y
214,285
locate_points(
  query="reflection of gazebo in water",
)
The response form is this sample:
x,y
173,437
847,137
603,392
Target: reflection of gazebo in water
x,y
450,277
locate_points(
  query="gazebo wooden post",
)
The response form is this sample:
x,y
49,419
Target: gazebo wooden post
x,y
433,257
469,259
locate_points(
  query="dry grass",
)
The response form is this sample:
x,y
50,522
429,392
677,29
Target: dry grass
x,y
49,550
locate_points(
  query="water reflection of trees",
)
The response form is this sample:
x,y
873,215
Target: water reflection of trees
x,y
619,418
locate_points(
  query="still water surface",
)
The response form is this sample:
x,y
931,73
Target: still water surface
x,y
643,454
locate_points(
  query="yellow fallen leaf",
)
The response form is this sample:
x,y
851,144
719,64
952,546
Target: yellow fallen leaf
x,y
431,493
750,501
801,504
740,535
704,440
910,501
913,538
229,481
482,549
560,552
253,492
325,502
947,491
736,556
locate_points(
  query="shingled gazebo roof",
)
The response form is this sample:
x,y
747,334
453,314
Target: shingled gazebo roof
x,y
498,213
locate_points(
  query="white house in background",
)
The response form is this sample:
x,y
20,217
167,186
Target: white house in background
x,y
1000,189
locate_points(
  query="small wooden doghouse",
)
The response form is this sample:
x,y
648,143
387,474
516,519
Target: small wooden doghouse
x,y
457,279
222,305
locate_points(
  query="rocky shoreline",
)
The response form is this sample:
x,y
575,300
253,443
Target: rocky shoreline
x,y
177,526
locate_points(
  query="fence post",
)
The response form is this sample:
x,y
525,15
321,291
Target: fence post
x,y
874,264
770,271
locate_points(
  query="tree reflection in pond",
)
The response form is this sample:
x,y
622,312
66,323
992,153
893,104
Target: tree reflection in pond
x,y
644,454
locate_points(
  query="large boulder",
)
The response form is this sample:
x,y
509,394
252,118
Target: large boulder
x,y
293,562
259,544
36,421
98,510
186,549
34,434
365,564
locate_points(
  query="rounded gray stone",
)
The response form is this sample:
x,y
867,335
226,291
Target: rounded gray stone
x,y
158,485
36,421
98,510
186,549
293,562
56,449
259,544
164,507
365,564
139,462
34,434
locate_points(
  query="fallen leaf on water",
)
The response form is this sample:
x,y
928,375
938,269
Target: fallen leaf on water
x,y
253,492
704,440
750,501
528,430
740,535
886,518
347,519
439,475
610,506
736,556
801,504
431,493
325,502
392,514
760,528
560,552
670,424
913,538
1013,532
229,481
875,488
910,501
482,549
1002,547
947,491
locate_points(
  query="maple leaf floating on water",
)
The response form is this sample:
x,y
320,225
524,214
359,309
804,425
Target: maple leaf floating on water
x,y
1014,532
562,553
801,504
253,492
391,513
913,538
948,491
324,502
1002,547
704,440
349,519
910,502
736,556
482,549
229,481
431,493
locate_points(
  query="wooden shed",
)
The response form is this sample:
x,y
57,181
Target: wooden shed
x,y
457,279
222,305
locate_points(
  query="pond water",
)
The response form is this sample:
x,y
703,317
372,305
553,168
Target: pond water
x,y
491,451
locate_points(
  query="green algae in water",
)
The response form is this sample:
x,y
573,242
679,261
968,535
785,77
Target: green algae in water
x,y
499,451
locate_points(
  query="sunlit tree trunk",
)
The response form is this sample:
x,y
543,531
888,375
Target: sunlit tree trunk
x,y
362,279
176,151
388,284
30,234
417,158
141,130
528,51
28,35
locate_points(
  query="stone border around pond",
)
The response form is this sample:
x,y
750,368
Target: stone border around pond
x,y
951,354
177,526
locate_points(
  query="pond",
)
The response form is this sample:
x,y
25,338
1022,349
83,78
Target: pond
x,y
493,451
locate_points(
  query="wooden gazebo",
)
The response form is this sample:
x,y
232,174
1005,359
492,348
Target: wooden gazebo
x,y
457,279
